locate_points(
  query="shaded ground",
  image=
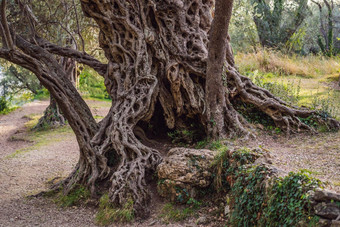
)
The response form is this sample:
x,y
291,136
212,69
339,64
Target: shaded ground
x,y
26,166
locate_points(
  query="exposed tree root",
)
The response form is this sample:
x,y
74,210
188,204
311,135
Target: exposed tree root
x,y
285,116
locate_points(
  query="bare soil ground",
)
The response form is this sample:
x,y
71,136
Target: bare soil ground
x,y
27,173
319,154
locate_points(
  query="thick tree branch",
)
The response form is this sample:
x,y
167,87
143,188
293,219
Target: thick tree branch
x,y
80,57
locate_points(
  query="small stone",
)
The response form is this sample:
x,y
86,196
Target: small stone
x,y
228,143
201,220
226,210
152,223
323,222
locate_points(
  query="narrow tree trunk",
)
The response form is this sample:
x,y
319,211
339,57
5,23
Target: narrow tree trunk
x,y
220,113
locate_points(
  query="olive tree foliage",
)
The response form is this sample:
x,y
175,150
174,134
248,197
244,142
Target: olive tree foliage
x,y
242,31
329,26
277,20
16,79
163,65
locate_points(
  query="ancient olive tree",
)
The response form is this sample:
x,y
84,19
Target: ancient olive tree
x,y
160,64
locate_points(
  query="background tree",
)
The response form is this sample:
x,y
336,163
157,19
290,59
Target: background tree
x,y
277,20
329,27
242,29
156,73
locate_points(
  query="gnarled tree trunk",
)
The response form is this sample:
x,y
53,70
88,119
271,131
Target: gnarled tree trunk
x,y
157,56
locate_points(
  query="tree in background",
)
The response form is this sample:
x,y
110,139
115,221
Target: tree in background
x,y
277,20
242,29
328,24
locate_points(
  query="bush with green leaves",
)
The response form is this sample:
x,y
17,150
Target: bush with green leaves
x,y
258,197
3,104
248,196
288,203
227,163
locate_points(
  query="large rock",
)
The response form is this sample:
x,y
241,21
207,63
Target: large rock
x,y
184,172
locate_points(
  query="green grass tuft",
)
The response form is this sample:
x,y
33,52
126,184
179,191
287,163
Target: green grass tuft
x,y
170,213
77,195
109,214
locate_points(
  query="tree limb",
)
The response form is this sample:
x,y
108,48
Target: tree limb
x,y
80,57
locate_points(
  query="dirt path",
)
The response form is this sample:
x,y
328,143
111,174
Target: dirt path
x,y
27,174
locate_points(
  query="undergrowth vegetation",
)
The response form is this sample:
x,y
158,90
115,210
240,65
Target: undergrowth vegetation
x,y
270,61
257,197
92,85
78,195
5,106
171,213
298,80
108,213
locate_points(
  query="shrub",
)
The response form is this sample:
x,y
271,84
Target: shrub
x,y
92,85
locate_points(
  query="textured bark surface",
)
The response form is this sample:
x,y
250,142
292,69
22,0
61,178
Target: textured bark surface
x,y
157,54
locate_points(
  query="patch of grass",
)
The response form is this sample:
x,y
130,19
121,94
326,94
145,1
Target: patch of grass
x,y
170,213
77,195
42,138
109,214
201,144
302,81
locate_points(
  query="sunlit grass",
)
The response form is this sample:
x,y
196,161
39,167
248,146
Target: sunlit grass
x,y
309,77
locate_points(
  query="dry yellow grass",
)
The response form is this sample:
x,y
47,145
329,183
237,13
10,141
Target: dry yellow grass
x,y
307,77
278,63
